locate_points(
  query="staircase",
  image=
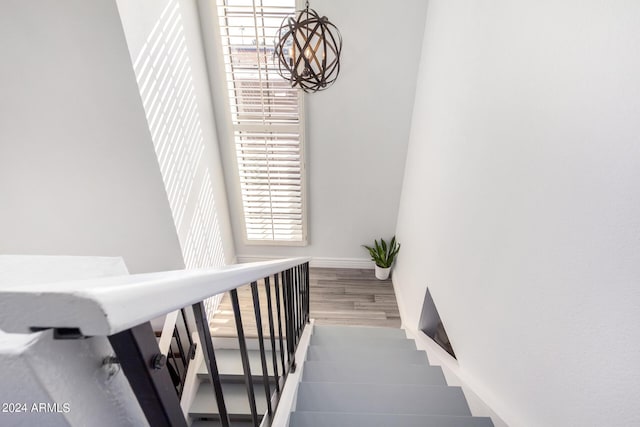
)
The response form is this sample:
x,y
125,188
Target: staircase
x,y
375,377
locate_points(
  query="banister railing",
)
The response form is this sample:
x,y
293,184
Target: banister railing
x,y
121,308
181,350
105,306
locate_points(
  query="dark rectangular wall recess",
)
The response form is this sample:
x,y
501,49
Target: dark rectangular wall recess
x,y
431,324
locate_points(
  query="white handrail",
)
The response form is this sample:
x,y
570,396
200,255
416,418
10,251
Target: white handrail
x,y
105,306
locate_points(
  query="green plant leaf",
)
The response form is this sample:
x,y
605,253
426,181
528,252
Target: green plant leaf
x,y
383,254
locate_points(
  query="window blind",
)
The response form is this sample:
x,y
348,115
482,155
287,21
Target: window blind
x,y
266,120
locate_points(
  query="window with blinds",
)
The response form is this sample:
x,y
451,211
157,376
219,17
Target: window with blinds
x,y
266,120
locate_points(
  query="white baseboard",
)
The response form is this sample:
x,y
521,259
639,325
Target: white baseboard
x,y
322,262
481,402
317,262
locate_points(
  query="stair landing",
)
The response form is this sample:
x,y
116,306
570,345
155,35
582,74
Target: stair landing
x,y
338,297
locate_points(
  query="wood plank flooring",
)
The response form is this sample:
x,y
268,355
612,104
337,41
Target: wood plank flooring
x,y
352,297
338,297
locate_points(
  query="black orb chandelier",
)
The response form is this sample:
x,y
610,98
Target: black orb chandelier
x,y
307,50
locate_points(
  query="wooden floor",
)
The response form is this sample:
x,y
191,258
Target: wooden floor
x,y
338,297
352,297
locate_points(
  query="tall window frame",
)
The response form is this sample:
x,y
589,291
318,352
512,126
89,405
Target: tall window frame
x,y
267,123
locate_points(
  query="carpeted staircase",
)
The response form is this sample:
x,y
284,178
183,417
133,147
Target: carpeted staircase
x,y
375,377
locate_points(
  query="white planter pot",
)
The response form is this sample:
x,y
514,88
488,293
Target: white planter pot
x,y
382,273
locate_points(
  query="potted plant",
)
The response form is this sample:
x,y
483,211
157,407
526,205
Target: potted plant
x,y
383,255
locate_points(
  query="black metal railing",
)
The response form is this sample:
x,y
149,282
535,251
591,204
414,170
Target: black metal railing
x,y
148,372
182,350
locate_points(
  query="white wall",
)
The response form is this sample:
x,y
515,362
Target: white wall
x,y
357,132
165,45
78,173
520,207
39,369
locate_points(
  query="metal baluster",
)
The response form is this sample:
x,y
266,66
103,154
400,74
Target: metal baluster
x,y
245,357
274,356
191,352
301,290
202,324
296,290
186,327
292,306
277,289
172,358
145,368
285,304
308,284
302,299
263,356
183,358
294,317
294,322
303,286
289,319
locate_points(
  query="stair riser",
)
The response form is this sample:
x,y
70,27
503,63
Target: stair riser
x,y
230,363
364,342
323,419
385,398
368,373
346,331
231,343
211,423
237,379
356,355
235,395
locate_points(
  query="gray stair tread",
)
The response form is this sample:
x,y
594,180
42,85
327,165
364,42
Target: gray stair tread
x,y
230,363
388,355
323,419
372,373
358,331
209,423
382,398
252,343
235,398
362,341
